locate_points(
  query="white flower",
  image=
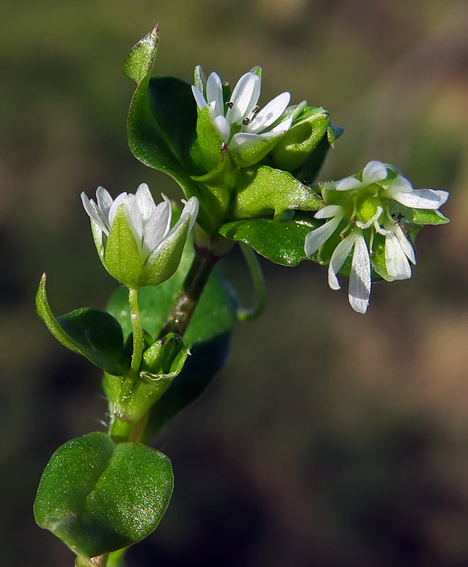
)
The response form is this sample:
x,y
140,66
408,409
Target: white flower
x,y
240,122
150,251
360,276
399,188
364,203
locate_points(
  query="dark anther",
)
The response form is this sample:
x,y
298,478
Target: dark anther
x,y
229,104
246,121
256,109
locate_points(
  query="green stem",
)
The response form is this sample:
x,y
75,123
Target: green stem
x,y
137,330
259,286
194,284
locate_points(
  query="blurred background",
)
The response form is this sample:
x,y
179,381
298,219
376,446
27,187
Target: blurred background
x,y
331,438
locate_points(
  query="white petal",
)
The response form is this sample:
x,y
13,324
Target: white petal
x,y
93,212
338,258
104,202
157,227
360,278
270,113
199,98
400,185
223,127
317,238
348,183
145,201
329,211
190,211
422,198
214,93
134,219
243,139
373,172
405,243
120,200
244,97
282,127
396,261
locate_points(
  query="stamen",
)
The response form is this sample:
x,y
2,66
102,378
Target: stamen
x,y
255,110
246,121
229,104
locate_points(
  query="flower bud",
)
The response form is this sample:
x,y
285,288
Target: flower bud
x,y
134,238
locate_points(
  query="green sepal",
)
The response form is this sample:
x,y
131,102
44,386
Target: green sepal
x,y
140,60
98,496
309,170
215,192
300,140
205,151
254,152
409,216
162,362
333,133
199,79
165,260
162,115
122,257
281,242
94,334
262,191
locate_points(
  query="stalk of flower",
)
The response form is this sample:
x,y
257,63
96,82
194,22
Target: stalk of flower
x,y
249,131
133,235
363,210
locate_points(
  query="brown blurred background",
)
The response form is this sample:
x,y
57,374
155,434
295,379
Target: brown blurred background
x,y
331,439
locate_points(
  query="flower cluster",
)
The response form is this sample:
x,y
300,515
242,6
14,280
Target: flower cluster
x,y
365,213
239,121
133,235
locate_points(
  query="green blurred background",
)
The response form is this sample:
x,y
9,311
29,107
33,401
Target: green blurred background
x,y
331,439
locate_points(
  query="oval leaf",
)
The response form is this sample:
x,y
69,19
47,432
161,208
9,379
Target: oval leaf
x,y
98,496
281,242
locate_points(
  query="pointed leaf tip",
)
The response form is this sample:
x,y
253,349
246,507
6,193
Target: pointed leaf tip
x,y
140,60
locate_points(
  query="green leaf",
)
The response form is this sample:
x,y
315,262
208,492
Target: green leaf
x,y
175,112
94,334
281,242
162,115
262,191
99,497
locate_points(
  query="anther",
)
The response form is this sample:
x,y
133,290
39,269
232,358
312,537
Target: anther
x,y
229,104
